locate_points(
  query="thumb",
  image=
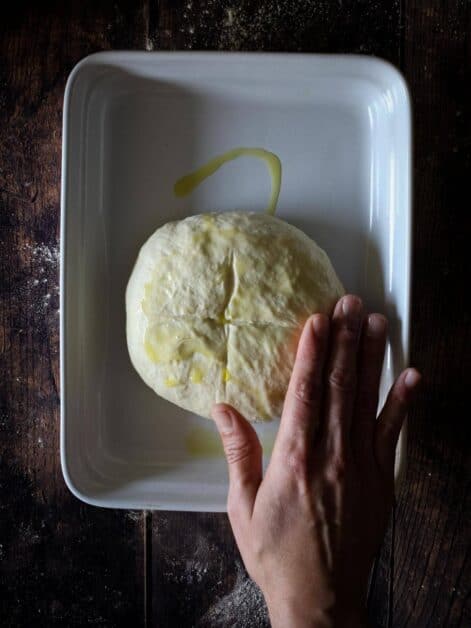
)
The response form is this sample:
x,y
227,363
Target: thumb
x,y
244,459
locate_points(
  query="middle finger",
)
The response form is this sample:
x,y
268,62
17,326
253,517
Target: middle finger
x,y
342,372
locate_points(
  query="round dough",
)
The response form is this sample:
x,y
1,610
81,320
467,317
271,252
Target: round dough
x,y
215,307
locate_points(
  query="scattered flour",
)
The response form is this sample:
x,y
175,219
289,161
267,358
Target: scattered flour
x,y
41,290
196,566
279,24
45,254
135,515
251,26
242,607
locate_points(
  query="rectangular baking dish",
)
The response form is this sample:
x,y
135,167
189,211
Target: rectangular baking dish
x,y
135,122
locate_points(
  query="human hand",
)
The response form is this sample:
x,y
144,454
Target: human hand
x,y
309,530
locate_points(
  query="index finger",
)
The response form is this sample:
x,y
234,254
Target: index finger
x,y
303,400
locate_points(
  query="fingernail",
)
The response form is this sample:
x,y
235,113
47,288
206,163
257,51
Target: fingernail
x,y
411,378
376,325
351,308
223,420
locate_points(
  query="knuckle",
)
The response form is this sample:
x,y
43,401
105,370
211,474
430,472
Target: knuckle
x,y
336,470
388,431
342,379
306,390
348,332
238,450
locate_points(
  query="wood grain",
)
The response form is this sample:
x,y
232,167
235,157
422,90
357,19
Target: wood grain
x,y
432,572
58,556
353,26
66,564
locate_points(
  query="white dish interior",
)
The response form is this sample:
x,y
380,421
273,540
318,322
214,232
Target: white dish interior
x,y
133,124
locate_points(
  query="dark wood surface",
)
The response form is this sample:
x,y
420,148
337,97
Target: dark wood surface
x,y
67,564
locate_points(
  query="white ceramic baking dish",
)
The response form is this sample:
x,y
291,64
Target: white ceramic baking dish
x,y
133,123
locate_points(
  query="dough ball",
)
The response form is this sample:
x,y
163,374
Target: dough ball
x,y
215,307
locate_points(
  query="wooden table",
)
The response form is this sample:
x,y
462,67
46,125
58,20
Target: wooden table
x,y
67,564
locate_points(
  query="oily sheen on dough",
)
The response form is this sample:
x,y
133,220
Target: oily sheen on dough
x,y
215,307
